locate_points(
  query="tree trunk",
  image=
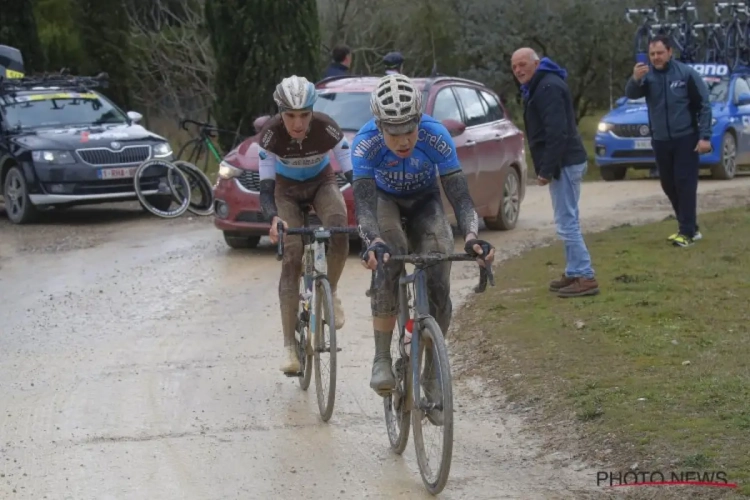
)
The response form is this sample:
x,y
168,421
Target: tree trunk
x,y
257,43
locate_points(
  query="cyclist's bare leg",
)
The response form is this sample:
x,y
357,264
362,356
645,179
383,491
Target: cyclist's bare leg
x,y
431,232
384,300
330,207
291,270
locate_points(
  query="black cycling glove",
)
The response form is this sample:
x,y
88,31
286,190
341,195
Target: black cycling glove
x,y
379,248
469,247
349,174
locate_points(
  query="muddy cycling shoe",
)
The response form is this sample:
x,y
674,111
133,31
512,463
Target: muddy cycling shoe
x,y
382,381
338,311
432,392
290,364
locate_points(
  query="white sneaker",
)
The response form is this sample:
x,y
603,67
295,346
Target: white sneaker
x,y
338,311
290,363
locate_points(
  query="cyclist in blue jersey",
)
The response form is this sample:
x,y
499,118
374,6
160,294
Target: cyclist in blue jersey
x,y
397,158
295,169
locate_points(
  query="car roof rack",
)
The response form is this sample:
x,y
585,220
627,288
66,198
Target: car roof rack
x,y
61,80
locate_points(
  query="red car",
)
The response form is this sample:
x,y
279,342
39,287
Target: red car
x,y
489,146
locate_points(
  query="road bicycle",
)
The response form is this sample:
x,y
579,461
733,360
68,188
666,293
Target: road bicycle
x,y
714,36
737,36
406,400
684,37
195,149
315,314
644,32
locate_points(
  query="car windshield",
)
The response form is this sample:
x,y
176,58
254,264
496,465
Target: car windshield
x,y
351,110
31,111
717,88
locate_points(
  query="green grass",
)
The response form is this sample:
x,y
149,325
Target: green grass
x,y
656,367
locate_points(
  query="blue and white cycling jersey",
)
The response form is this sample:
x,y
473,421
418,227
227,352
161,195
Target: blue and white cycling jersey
x,y
434,155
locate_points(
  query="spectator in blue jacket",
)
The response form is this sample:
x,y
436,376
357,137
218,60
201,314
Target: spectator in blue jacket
x,y
341,61
679,113
560,161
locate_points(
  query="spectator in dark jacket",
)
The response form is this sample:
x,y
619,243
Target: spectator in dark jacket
x,y
393,62
679,113
341,56
560,161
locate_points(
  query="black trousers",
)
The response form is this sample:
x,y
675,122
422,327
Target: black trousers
x,y
678,164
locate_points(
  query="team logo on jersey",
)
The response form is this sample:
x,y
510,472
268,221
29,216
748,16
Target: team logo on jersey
x,y
334,132
436,141
368,148
266,138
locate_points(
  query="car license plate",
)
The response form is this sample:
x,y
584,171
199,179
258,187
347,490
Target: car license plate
x,y
643,144
116,173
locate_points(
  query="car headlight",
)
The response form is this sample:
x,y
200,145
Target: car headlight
x,y
57,157
227,171
604,127
162,150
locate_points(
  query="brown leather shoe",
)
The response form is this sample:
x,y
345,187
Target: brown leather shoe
x,y
580,287
562,282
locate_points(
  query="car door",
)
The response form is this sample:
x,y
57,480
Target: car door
x,y
742,114
445,107
482,137
505,140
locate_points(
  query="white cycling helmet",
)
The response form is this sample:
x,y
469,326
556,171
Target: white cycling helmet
x,y
295,93
396,104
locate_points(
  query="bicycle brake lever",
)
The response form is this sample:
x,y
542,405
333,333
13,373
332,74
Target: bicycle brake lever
x,y
280,244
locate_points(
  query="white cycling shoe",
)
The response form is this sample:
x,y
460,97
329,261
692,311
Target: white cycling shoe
x,y
290,363
338,311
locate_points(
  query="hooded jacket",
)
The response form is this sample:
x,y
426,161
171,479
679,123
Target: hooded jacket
x,y
677,101
550,121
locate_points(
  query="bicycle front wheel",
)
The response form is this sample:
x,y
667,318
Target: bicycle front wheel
x,y
324,345
434,470
732,46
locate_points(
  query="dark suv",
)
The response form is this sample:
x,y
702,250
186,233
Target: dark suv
x,y
62,143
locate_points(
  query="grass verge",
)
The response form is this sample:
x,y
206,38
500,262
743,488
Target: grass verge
x,y
655,370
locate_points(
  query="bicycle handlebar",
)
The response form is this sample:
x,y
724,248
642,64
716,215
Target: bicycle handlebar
x,y
318,232
485,273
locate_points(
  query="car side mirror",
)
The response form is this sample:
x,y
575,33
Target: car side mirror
x,y
743,99
619,102
455,127
135,116
258,123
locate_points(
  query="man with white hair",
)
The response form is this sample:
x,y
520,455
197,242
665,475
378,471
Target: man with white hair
x,y
560,161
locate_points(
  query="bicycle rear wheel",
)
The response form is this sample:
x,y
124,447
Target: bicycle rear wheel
x,y
431,342
640,42
192,154
324,342
396,405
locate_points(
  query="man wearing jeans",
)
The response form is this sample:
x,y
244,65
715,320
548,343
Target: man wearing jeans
x,y
560,161
679,112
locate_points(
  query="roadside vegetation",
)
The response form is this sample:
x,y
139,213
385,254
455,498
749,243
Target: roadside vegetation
x,y
655,371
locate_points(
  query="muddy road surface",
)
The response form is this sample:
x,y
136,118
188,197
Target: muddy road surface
x,y
139,359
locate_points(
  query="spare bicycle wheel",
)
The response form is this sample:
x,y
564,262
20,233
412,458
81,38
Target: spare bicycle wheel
x,y
154,188
200,185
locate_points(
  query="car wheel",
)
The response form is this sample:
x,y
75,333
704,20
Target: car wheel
x,y
510,204
728,167
613,173
18,206
238,240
